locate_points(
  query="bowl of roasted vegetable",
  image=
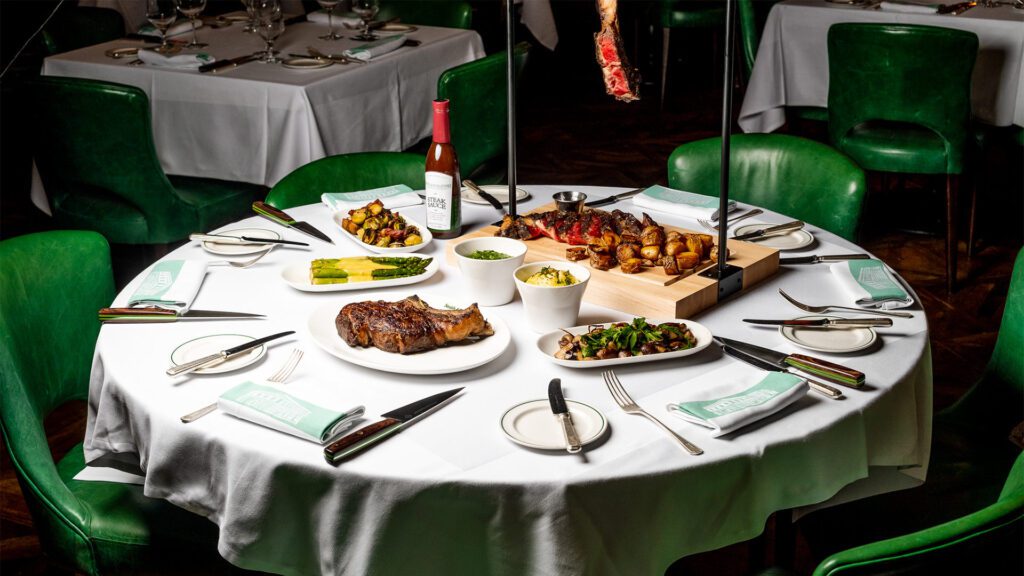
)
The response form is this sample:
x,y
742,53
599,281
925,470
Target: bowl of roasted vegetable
x,y
381,230
630,342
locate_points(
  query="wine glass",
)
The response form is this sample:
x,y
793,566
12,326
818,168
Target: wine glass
x,y
161,14
270,25
328,6
191,9
250,25
366,9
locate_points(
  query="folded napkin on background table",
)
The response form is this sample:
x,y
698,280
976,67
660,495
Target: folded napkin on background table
x,y
398,196
170,284
176,29
349,18
678,202
733,405
909,7
376,48
283,412
181,61
871,284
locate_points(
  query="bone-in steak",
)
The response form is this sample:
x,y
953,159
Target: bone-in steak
x,y
408,326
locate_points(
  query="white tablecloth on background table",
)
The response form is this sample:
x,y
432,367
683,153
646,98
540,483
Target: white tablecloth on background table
x,y
791,68
452,495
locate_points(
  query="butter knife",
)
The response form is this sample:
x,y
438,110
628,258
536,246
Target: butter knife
x,y
771,231
226,239
561,412
223,354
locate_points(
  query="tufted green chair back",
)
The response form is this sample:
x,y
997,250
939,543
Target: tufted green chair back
x,y
347,173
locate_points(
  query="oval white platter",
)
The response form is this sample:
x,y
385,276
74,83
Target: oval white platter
x,y
225,249
297,276
457,357
792,241
530,424
424,233
206,345
836,341
547,344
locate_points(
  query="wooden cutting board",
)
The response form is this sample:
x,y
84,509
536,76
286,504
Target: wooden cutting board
x,y
651,293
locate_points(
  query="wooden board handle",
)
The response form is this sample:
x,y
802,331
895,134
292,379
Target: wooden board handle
x,y
362,438
827,370
264,209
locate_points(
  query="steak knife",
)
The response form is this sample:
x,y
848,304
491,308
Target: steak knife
x,y
828,322
816,259
818,387
223,354
561,412
614,198
809,364
481,193
228,63
771,231
392,422
225,239
268,211
154,314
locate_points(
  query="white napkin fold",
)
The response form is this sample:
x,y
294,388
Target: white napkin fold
x,y
393,197
273,408
728,406
170,284
909,7
177,29
179,61
340,18
871,284
371,50
678,202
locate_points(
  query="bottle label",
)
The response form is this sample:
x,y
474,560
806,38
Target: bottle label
x,y
439,200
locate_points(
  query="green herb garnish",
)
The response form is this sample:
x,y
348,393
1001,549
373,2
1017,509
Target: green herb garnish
x,y
488,255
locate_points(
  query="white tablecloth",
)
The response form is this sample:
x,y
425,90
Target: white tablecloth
x,y
791,68
134,11
451,494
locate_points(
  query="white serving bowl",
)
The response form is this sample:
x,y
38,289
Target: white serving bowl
x,y
551,307
489,282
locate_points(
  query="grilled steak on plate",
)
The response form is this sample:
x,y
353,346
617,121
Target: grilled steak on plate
x,y
408,326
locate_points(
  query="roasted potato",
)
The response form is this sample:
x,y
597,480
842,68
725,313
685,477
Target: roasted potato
x,y
651,252
669,264
575,253
673,235
693,243
673,247
631,265
652,236
714,253
601,261
687,260
627,250
708,241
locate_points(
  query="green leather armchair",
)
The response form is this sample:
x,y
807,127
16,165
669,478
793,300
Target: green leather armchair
x,y
795,176
94,149
79,26
347,173
916,115
443,13
51,285
690,14
478,97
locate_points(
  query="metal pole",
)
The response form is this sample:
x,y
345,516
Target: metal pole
x,y
723,194
510,37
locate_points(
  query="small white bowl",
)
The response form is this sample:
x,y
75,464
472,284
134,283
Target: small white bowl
x,y
551,307
489,282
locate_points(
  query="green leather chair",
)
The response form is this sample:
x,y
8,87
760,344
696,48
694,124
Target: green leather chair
x,y
690,15
916,115
95,154
51,285
347,173
478,97
443,13
788,174
75,27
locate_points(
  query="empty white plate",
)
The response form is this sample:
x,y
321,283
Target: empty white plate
x,y
300,63
834,340
792,241
207,345
499,192
241,249
532,424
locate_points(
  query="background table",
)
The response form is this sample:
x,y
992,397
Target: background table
x,y
452,494
791,68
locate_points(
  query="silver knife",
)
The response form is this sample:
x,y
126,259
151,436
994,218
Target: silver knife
x,y
777,230
223,354
279,216
817,259
154,314
229,62
822,368
828,322
481,193
818,387
241,240
561,412
614,197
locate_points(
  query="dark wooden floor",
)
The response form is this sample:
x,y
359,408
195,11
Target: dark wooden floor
x,y
572,134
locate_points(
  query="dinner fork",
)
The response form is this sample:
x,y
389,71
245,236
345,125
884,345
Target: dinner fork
x,y
630,407
278,377
243,263
823,309
711,226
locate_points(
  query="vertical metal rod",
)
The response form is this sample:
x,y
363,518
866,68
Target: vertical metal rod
x,y
510,37
723,194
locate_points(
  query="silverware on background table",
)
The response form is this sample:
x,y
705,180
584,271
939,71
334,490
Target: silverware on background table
x,y
229,62
243,263
615,197
828,322
153,314
823,309
777,230
709,223
818,387
241,240
339,58
278,377
816,259
561,412
781,361
628,406
481,193
279,216
223,354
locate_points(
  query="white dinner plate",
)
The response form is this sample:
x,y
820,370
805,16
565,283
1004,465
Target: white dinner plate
x,y
297,276
445,360
834,340
207,345
241,249
792,241
300,63
533,425
548,345
424,233
499,192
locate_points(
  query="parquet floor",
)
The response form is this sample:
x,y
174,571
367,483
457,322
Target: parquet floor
x,y
572,134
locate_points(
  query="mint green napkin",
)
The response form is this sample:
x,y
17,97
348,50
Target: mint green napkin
x,y
679,202
274,408
871,284
393,197
170,284
741,403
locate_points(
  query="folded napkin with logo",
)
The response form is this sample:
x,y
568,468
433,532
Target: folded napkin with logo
x,y
346,18
393,197
909,7
678,202
370,50
273,408
170,284
176,29
179,61
729,406
871,284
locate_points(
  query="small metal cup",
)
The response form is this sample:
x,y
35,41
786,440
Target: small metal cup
x,y
570,201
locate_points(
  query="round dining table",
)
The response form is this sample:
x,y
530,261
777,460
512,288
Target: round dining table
x,y
451,494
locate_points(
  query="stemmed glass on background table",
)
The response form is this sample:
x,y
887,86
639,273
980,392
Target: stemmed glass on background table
x,y
192,9
270,25
328,6
366,9
161,14
250,25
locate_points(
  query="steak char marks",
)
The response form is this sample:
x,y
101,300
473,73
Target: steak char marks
x,y
570,227
408,326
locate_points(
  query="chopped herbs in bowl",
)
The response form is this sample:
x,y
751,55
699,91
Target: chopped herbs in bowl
x,y
487,255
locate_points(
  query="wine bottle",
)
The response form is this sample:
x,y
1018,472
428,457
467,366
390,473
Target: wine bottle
x,y
443,183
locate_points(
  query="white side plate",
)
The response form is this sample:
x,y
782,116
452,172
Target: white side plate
x,y
297,276
532,424
792,241
499,192
299,63
207,345
834,340
241,249
424,233
548,345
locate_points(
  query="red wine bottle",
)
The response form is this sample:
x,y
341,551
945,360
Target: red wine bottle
x,y
443,183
